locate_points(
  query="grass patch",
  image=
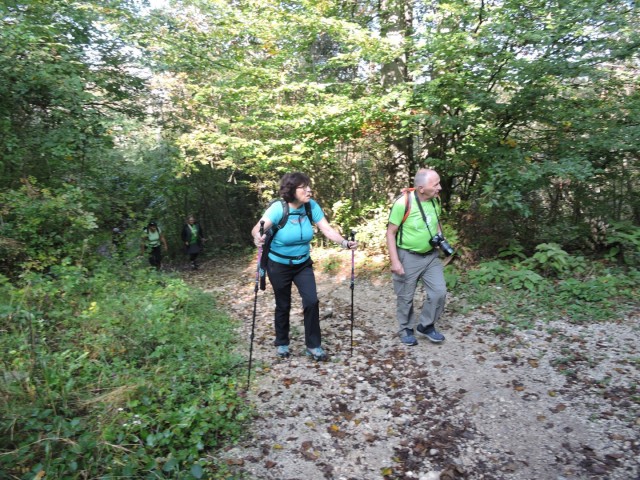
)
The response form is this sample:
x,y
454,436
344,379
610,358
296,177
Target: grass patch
x,y
115,373
519,296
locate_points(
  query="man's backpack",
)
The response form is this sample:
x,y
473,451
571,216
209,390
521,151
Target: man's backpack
x,y
146,234
407,193
271,233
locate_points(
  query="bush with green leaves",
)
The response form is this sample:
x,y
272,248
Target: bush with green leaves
x,y
344,216
372,233
551,260
41,226
97,384
513,276
552,284
623,241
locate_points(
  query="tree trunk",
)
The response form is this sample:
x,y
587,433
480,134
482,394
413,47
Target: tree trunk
x,y
396,25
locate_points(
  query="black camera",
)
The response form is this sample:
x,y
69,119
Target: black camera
x,y
439,241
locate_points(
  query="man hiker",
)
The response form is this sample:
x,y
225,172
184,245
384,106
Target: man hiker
x,y
412,243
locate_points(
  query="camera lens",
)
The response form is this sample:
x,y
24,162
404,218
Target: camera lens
x,y
446,248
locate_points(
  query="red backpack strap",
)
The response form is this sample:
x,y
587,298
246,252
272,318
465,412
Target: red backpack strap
x,y
406,192
407,202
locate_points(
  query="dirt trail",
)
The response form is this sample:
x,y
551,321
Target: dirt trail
x,y
557,401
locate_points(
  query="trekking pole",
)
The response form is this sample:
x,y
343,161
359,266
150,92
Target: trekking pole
x,y
353,252
255,303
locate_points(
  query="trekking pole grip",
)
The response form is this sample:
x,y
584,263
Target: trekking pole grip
x,y
260,247
353,252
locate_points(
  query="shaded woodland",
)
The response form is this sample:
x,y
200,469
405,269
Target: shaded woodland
x,y
529,111
114,113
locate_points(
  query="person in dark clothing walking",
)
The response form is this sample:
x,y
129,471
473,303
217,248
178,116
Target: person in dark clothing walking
x,y
193,238
289,261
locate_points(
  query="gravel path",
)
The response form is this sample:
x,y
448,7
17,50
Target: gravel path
x,y
557,401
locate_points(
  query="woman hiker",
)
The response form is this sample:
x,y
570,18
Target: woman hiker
x,y
289,261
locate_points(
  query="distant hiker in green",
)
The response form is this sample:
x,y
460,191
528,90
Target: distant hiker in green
x,y
152,240
193,238
289,260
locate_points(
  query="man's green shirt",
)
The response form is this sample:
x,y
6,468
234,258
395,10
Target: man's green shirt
x,y
415,234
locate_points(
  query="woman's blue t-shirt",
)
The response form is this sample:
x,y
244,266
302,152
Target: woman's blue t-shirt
x,y
294,237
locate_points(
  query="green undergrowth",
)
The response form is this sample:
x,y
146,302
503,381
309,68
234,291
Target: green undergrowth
x,y
115,373
552,284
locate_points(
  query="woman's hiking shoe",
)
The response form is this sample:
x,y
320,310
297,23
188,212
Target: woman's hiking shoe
x,y
431,333
408,338
283,351
317,354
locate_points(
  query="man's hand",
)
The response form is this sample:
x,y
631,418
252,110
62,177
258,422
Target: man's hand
x,y
397,268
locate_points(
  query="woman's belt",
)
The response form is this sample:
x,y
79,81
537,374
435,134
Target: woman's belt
x,y
288,257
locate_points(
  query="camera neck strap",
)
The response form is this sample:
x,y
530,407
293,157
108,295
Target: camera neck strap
x,y
424,217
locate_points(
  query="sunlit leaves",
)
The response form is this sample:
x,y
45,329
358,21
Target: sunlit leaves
x,y
63,78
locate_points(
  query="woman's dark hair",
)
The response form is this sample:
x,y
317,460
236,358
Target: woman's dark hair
x,y
289,182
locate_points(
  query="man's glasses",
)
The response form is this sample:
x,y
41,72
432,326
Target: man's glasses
x,y
308,189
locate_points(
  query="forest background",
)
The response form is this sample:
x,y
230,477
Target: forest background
x,y
114,113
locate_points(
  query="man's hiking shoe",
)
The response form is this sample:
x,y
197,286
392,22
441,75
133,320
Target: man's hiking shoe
x,y
283,351
317,354
408,338
431,333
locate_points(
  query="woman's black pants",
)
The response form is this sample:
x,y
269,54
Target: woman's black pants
x,y
281,277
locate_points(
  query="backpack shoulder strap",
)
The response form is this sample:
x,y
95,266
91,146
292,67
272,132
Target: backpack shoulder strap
x,y
407,202
406,193
307,209
285,213
271,233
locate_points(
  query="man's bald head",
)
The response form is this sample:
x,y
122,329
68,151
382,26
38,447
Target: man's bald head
x,y
427,183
